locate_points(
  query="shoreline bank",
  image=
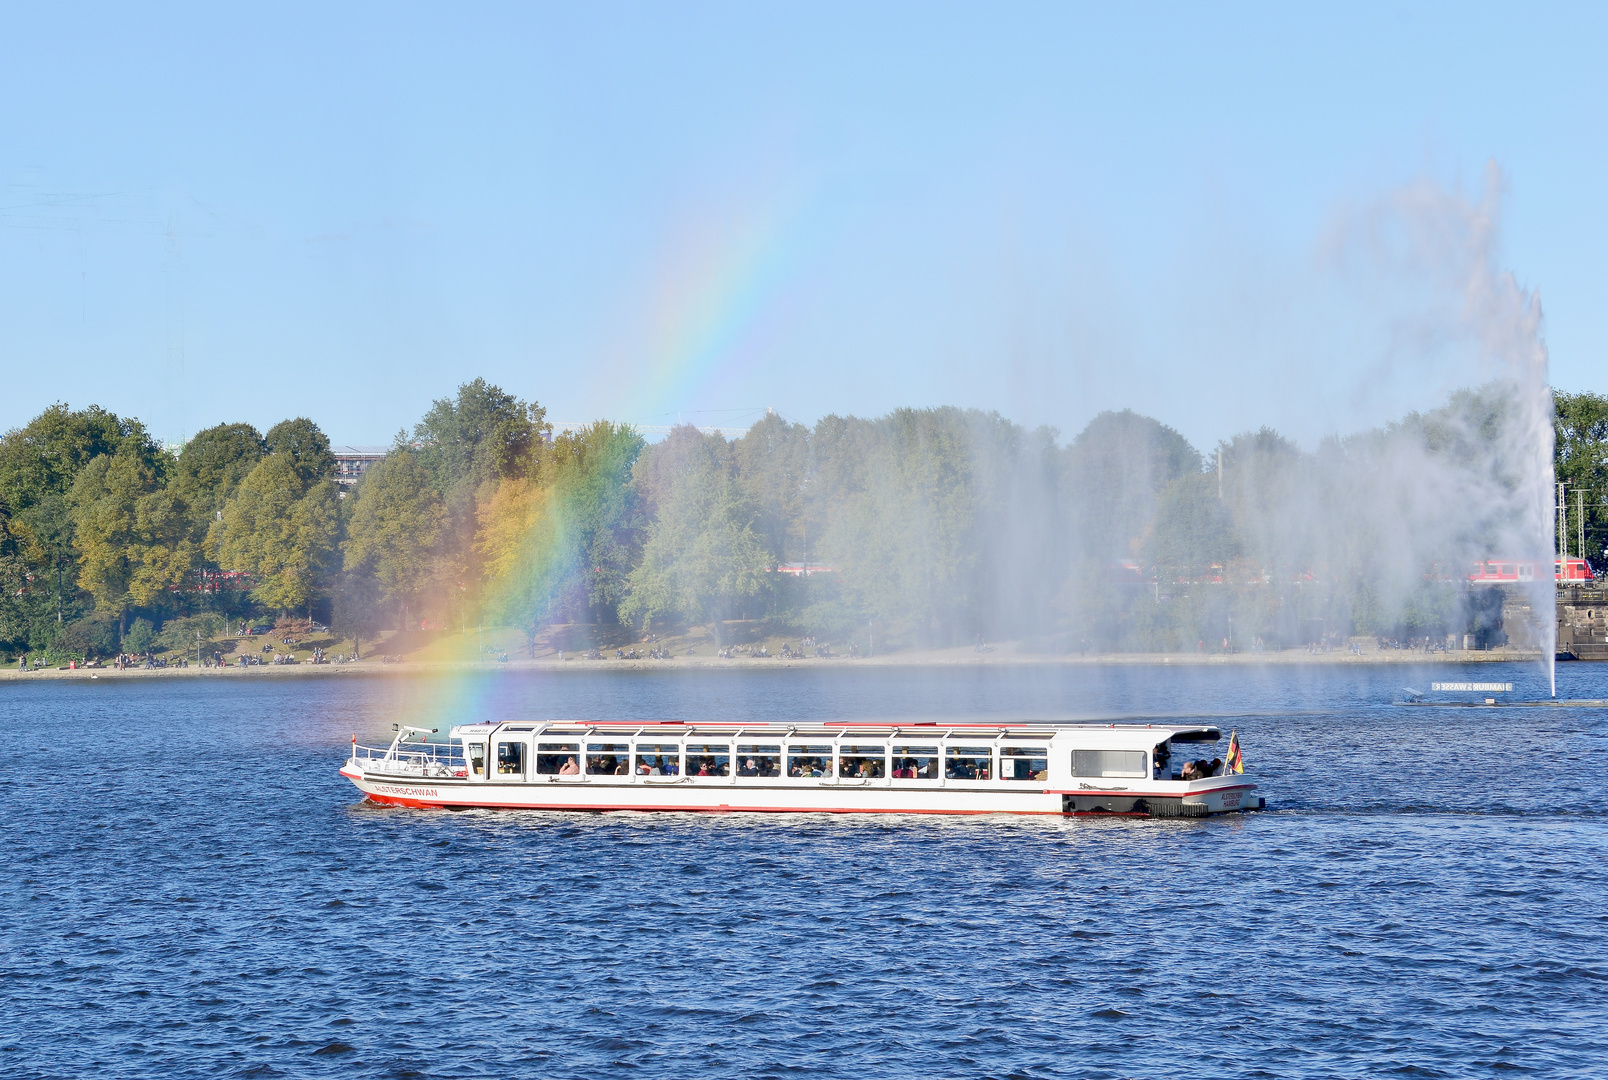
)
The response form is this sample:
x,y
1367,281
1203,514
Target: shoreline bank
x,y
963,657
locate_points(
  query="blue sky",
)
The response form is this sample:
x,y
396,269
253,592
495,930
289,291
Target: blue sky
x,y
648,212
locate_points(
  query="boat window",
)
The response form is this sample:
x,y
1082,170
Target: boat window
x,y
658,759
477,758
1108,763
759,759
510,758
809,760
969,763
708,759
607,759
868,761
1024,763
915,762
552,757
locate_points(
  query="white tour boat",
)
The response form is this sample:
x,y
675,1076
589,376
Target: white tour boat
x,y
926,768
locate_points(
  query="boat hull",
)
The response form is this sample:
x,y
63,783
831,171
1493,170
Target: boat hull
x,y
605,794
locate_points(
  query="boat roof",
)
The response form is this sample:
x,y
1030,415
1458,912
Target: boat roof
x,y
1090,736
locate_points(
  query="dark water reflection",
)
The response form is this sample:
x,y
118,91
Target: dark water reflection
x,y
191,890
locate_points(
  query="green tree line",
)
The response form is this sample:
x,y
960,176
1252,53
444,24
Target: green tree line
x,y
923,527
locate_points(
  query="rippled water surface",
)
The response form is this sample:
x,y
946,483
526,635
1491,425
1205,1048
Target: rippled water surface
x,y
190,889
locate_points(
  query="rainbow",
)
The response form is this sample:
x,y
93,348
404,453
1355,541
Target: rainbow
x,y
715,294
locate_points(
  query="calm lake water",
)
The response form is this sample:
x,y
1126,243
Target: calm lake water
x,y
192,890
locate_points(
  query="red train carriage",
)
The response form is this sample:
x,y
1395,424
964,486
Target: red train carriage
x,y
1517,571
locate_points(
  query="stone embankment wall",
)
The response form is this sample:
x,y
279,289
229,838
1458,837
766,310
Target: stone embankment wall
x,y
1583,621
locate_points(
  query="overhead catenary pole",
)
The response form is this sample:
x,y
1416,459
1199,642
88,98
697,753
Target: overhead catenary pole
x,y
1563,523
1580,521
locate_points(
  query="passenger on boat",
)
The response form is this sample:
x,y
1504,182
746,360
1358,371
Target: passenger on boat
x,y
749,768
1216,767
1188,772
620,769
1163,762
570,768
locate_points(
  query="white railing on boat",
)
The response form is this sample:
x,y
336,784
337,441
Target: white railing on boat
x,y
434,759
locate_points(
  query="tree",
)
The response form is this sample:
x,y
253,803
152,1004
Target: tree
x,y
1192,532
281,527
702,554
15,584
909,540
1116,469
774,471
482,434
357,609
1581,464
528,553
563,542
133,534
301,441
395,527
684,452
469,444
590,472
46,455
38,463
211,466
141,633
47,526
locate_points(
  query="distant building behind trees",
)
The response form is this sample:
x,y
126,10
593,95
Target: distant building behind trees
x,y
351,462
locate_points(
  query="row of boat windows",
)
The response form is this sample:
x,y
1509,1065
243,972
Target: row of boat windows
x,y
848,761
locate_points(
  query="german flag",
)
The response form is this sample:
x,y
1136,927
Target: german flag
x,y
1236,760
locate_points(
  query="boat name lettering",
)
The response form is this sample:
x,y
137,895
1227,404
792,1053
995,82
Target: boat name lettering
x,y
421,792
1230,799
1092,787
